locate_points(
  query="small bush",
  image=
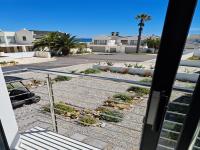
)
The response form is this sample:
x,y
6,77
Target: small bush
x,y
138,66
139,90
152,67
62,78
194,58
87,120
128,65
62,108
73,71
13,62
91,71
147,80
123,98
116,104
8,62
110,115
3,63
109,63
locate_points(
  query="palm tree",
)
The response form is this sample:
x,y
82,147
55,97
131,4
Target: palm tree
x,y
65,42
142,19
46,41
57,43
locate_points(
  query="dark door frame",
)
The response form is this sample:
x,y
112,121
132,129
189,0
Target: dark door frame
x,y
176,27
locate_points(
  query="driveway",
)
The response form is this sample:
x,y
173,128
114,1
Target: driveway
x,y
83,59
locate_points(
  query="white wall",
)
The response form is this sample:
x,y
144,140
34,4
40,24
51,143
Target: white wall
x,y
20,54
7,115
19,37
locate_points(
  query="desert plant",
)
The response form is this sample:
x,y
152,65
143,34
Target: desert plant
x,y
116,104
138,66
13,62
123,97
3,63
140,91
152,67
62,78
110,115
87,120
73,71
36,82
148,80
109,63
128,65
194,58
91,71
62,108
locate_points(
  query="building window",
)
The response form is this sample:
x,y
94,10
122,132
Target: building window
x,y
11,39
133,42
124,42
24,38
100,42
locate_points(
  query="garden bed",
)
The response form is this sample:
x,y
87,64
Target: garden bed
x,y
181,76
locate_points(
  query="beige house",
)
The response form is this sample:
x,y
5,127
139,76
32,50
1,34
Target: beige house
x,y
116,43
20,41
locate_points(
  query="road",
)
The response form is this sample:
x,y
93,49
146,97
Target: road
x,y
83,59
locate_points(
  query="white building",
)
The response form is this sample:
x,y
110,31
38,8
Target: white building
x,y
116,43
20,41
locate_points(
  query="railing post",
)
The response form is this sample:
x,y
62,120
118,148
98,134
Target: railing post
x,y
51,100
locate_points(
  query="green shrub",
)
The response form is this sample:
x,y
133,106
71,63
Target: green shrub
x,y
194,58
62,78
109,63
3,62
8,62
128,65
123,97
62,108
87,120
148,80
110,115
13,62
139,90
91,71
138,66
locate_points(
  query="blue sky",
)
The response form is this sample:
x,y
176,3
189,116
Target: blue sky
x,y
85,18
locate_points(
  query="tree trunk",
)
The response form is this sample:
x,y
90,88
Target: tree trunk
x,y
139,39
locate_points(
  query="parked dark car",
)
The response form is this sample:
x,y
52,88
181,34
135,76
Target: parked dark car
x,y
19,93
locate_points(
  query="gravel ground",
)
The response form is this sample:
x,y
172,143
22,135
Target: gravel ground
x,y
89,93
